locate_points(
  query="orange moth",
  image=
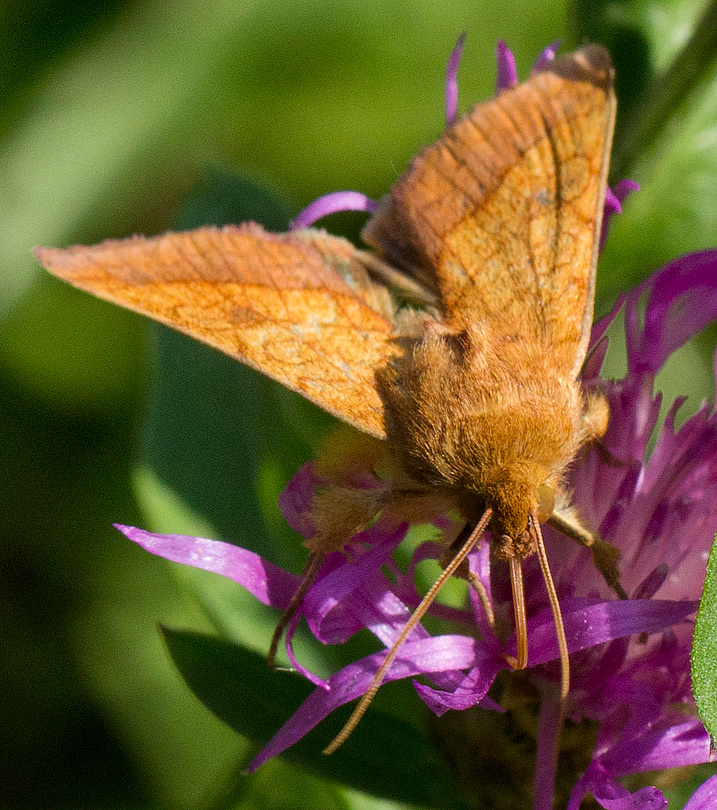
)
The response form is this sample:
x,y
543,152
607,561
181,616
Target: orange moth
x,y
492,235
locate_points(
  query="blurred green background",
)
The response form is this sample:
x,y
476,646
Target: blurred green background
x,y
123,117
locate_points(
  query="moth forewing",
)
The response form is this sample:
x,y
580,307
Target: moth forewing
x,y
298,307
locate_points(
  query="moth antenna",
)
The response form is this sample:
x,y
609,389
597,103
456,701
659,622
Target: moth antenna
x,y
554,606
418,614
311,569
521,623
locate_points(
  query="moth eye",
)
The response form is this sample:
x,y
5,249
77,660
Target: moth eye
x,y
546,502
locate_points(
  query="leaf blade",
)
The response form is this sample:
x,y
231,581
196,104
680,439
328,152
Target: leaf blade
x,y
385,756
704,650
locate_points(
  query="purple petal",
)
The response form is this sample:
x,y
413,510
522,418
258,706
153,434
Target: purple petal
x,y
597,623
331,204
471,689
614,198
479,562
624,188
347,578
507,74
647,798
294,661
681,301
297,498
591,369
611,795
705,797
547,55
674,453
452,80
681,744
377,607
439,654
264,580
652,582
637,707
405,588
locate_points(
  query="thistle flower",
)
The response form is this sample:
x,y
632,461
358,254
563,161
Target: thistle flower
x,y
630,708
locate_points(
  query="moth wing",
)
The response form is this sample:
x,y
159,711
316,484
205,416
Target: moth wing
x,y
298,307
501,216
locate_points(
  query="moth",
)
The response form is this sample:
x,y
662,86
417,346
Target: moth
x,y
492,235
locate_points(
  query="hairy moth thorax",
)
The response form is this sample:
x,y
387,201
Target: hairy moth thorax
x,y
499,431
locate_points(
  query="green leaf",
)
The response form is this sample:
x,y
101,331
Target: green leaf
x,y
384,756
615,25
704,650
667,94
222,198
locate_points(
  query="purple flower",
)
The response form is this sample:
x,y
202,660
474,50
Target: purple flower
x,y
507,74
630,708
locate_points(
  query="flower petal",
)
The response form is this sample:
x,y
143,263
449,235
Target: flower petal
x,y
470,690
507,74
676,745
331,204
705,797
586,626
647,798
601,326
264,580
297,498
546,758
452,80
611,795
547,55
681,301
614,198
347,578
439,654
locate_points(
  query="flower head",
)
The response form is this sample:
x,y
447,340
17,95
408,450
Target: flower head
x,y
630,709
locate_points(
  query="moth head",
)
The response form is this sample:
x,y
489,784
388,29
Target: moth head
x,y
513,496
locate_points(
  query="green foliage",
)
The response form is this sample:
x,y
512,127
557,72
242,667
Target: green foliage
x,y
704,650
384,756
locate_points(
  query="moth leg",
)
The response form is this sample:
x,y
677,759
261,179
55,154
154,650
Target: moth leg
x,y
605,555
595,418
464,572
596,415
482,594
313,565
